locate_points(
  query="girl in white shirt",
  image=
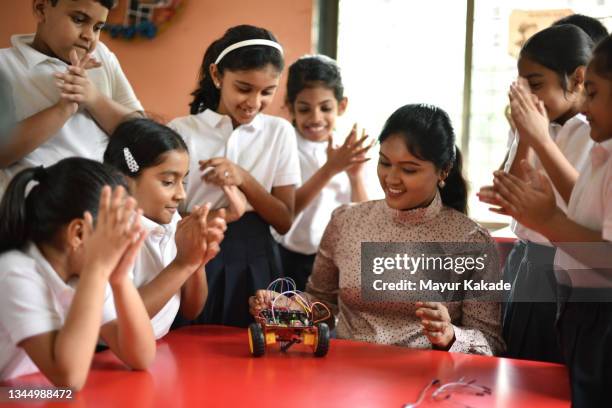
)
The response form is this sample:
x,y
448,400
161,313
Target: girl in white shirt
x,y
234,144
331,175
583,237
553,136
169,270
55,271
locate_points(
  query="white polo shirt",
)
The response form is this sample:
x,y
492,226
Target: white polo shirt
x,y
266,148
591,206
308,227
30,74
158,251
33,300
574,141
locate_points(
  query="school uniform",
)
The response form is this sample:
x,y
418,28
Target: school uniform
x,y
585,293
248,260
33,300
530,315
299,246
33,88
158,251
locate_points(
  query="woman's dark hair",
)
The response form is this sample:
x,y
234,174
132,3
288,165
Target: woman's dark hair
x,y
146,141
64,192
602,58
592,26
560,48
207,96
429,135
311,71
109,4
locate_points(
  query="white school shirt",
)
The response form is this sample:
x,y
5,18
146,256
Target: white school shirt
x,y
308,227
158,251
30,74
591,206
574,141
265,147
33,300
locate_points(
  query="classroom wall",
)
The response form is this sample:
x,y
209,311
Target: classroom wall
x,y
164,71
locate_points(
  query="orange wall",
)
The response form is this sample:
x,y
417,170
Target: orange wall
x,y
164,71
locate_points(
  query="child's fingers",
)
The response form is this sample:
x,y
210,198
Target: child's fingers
x,y
116,208
433,326
350,139
76,98
502,211
84,61
104,206
74,57
213,162
71,89
88,225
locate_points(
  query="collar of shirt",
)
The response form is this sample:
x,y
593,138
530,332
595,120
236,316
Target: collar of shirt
x,y
570,125
32,57
317,150
63,291
418,215
160,234
600,153
219,121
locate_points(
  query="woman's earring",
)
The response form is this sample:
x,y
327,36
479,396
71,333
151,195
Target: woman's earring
x,y
217,85
441,183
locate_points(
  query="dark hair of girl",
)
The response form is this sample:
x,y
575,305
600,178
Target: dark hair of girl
x,y
146,142
207,96
63,192
592,26
602,58
560,48
311,71
428,135
109,4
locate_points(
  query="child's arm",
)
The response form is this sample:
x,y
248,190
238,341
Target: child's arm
x,y
276,208
191,236
76,87
532,124
130,336
32,132
236,207
195,290
533,205
64,356
349,157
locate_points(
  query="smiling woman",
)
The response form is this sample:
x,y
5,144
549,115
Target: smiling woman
x,y
425,201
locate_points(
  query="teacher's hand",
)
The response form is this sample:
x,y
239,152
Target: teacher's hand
x,y
436,323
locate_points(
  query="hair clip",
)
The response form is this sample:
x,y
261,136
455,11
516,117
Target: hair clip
x,y
130,161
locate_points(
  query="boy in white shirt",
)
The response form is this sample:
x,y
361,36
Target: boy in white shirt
x,y
68,89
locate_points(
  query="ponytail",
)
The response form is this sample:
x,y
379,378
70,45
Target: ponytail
x,y
455,191
63,193
14,231
207,96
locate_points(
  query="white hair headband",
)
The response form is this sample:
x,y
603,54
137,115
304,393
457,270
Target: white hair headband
x,y
130,161
247,43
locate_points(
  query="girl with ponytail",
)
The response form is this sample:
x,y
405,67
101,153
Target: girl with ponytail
x,y
48,244
419,170
234,144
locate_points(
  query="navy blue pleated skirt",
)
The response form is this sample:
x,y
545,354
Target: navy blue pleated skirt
x,y
248,261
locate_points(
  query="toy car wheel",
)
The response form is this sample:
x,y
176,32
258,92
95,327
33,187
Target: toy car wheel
x,y
322,342
257,342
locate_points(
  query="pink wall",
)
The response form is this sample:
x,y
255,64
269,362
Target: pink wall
x,y
164,71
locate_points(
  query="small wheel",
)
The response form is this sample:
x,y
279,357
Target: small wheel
x,y
322,342
257,343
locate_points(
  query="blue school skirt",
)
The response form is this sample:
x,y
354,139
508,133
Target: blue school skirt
x,y
585,332
529,321
248,261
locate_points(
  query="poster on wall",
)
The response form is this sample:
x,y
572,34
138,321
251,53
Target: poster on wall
x,y
132,19
525,23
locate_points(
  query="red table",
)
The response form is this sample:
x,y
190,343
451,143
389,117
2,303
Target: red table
x,y
208,366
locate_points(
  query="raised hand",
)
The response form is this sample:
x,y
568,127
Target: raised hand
x,y
115,230
528,114
350,154
191,238
74,84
